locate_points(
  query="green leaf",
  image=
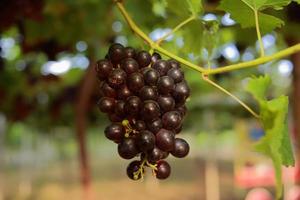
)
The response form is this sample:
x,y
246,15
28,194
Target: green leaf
x,y
273,113
184,8
195,6
243,12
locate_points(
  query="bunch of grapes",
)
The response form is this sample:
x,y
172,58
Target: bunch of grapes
x,y
144,98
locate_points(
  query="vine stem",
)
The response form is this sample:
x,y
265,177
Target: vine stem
x,y
191,18
206,78
261,45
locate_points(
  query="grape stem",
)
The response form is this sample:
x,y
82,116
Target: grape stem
x,y
261,45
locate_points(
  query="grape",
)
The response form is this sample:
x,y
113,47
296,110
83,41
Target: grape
x,y
181,148
163,170
106,104
166,103
145,141
133,105
155,125
176,74
151,77
127,149
107,91
162,67
143,58
150,110
135,82
155,57
124,92
171,120
117,78
129,52
103,68
165,85
116,52
115,132
132,168
129,65
146,107
148,93
165,140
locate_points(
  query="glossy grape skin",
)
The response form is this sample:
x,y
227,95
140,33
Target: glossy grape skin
x,y
161,66
107,91
155,125
139,125
143,58
116,78
182,110
150,110
163,170
165,140
135,82
148,93
171,120
133,167
151,77
155,155
123,92
173,63
178,129
106,104
166,103
181,92
113,117
155,57
129,52
116,52
115,132
127,149
120,108
103,68
176,74
133,105
181,148
129,65
145,141
165,85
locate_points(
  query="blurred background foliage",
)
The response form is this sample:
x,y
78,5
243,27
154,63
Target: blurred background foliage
x,y
47,47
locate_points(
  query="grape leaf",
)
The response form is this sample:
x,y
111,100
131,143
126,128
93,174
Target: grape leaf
x,y
195,6
273,113
243,12
184,8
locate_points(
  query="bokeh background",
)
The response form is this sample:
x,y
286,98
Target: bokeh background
x,y
52,144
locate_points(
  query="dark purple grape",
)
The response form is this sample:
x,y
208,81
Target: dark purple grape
x,y
182,110
129,65
103,68
145,141
113,117
144,70
181,148
115,132
119,108
181,92
106,104
129,52
124,92
165,85
155,125
166,103
178,129
117,78
165,155
116,52
148,93
143,58
127,149
151,77
176,74
150,110
155,57
162,67
107,91
173,63
139,125
165,140
155,155
171,120
163,170
132,170
135,82
133,106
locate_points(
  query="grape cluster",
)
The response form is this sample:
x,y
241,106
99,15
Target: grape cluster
x,y
144,98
